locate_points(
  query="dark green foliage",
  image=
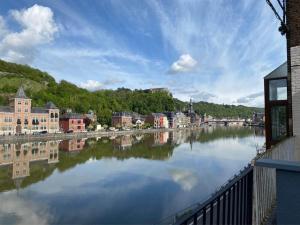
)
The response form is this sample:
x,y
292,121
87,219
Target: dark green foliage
x,y
220,111
41,87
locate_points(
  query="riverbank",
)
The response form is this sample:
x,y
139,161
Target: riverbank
x,y
90,134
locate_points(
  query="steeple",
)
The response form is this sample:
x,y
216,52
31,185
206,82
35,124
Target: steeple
x,y
191,110
21,93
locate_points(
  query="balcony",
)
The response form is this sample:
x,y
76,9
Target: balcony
x,y
276,184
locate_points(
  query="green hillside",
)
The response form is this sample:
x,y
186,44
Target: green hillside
x,y
42,87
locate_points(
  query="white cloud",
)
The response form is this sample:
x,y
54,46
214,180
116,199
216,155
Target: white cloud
x,y
256,99
92,85
22,211
38,27
185,178
3,29
205,97
185,63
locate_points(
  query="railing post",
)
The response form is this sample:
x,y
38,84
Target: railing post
x,y
204,216
242,202
211,214
245,201
195,222
250,196
218,211
224,209
233,204
228,205
237,215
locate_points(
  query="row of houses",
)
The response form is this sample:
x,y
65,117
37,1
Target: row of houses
x,y
158,120
155,120
19,117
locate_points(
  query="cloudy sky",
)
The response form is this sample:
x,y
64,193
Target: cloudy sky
x,y
209,50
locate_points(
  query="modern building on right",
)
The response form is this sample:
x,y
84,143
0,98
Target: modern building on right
x,y
282,86
276,105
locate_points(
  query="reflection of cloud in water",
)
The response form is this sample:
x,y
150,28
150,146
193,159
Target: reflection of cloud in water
x,y
185,178
20,211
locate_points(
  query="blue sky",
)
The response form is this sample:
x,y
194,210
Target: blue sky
x,y
216,51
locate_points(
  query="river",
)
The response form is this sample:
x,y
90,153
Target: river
x,y
139,179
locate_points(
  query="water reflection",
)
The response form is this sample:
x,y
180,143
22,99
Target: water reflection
x,y
141,178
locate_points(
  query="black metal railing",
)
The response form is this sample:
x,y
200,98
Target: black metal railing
x,y
232,204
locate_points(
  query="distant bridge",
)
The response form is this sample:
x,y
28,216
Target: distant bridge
x,y
226,122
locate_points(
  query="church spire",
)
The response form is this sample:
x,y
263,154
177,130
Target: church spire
x,y
21,93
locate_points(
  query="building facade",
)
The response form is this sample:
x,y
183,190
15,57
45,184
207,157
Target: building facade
x,y
20,118
156,120
121,119
72,122
182,120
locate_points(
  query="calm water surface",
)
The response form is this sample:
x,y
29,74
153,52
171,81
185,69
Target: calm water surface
x,y
121,180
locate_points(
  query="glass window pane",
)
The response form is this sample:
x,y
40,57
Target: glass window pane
x,y
278,89
278,122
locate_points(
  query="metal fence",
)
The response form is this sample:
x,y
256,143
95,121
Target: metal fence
x,y
232,204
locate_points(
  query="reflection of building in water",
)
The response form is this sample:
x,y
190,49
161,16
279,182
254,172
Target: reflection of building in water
x,y
160,138
179,136
123,142
139,137
72,145
19,156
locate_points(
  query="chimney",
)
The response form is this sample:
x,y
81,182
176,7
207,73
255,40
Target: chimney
x,y
293,54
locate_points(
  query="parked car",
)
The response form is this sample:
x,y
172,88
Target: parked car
x,y
43,132
70,131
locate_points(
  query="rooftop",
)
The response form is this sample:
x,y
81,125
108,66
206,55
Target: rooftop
x,y
6,109
72,116
21,93
50,105
281,71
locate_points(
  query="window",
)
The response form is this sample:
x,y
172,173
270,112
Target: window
x,y
278,122
19,109
19,102
278,89
26,102
78,127
26,110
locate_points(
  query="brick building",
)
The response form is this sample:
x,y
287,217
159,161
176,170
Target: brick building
x,y
156,120
20,118
121,119
72,122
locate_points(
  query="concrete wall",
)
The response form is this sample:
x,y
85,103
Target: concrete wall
x,y
295,75
293,53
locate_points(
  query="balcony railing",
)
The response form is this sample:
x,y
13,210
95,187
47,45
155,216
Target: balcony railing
x,y
266,181
232,204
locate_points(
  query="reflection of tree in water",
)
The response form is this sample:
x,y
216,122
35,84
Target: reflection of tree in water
x,y
157,146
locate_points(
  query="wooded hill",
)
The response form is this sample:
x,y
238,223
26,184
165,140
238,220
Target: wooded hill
x,y
42,87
